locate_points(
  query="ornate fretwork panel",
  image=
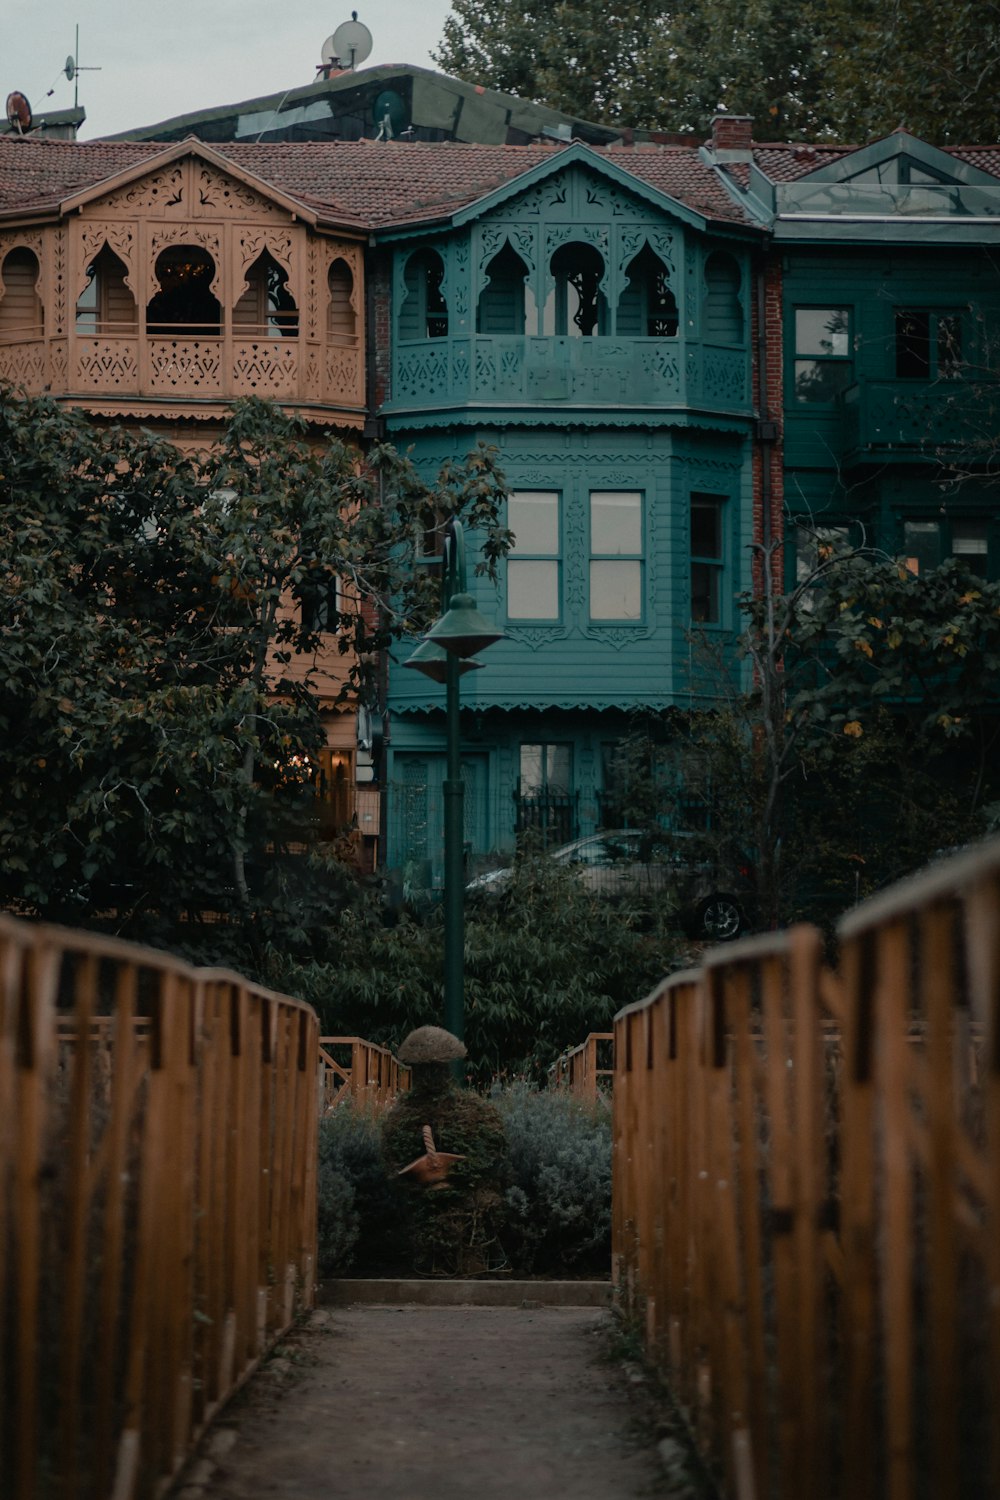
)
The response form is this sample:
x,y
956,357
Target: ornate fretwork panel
x,y
280,243
344,376
107,365
162,193
216,196
119,236
187,365
24,365
58,280
266,368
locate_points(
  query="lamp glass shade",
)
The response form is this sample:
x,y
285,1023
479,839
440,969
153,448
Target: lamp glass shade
x,y
432,661
462,630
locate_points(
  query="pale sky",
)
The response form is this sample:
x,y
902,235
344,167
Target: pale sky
x,y
184,55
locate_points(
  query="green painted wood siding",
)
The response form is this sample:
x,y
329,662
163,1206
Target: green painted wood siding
x,y
574,661
879,415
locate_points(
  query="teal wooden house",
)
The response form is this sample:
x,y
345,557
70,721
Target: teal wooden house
x,y
588,313
891,337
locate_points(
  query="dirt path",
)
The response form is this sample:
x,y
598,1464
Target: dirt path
x,y
437,1403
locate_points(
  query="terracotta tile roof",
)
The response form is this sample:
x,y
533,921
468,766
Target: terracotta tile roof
x,y
363,182
375,185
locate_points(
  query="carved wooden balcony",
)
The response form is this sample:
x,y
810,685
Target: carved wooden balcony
x,y
484,369
188,368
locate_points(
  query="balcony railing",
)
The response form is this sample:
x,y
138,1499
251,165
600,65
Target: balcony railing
x,y
915,417
199,367
513,370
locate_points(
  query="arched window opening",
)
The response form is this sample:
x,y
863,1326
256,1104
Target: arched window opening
x,y
424,313
267,307
647,308
341,319
723,310
106,305
580,307
185,305
501,302
21,313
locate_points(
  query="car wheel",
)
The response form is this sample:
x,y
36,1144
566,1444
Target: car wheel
x,y
719,919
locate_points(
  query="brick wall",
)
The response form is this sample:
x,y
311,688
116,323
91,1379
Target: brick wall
x,y
771,410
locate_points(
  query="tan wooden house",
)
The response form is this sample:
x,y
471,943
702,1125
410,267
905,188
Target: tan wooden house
x,y
152,284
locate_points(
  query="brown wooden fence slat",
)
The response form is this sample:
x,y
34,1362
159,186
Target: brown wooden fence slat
x,y
807,1197
134,1236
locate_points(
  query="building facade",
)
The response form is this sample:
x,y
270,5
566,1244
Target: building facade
x,y
689,358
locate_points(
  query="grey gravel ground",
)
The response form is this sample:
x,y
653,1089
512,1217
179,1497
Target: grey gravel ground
x,y
440,1403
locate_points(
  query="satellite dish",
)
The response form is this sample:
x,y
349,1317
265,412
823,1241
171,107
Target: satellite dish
x,y
390,106
18,113
350,44
70,68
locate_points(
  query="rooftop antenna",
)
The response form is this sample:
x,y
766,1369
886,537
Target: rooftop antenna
x,y
73,69
349,45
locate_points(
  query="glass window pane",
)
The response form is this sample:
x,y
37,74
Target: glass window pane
x,y
705,593
533,517
616,522
921,545
949,345
615,590
559,767
706,526
968,538
532,768
823,330
820,379
532,590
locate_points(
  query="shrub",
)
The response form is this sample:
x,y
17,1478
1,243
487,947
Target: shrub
x,y
361,1211
544,965
560,1201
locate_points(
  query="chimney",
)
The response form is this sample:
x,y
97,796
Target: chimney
x,y
732,137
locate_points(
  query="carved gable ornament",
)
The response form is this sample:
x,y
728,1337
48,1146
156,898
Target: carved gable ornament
x,y
188,189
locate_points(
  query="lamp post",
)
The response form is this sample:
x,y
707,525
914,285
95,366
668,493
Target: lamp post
x,y
446,655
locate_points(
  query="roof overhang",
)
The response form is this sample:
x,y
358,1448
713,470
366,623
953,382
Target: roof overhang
x,y
578,153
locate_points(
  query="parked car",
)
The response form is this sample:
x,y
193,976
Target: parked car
x,y
626,864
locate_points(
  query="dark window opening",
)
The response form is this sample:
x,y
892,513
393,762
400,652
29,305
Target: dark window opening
x,y
928,344
266,307
581,309
424,314
185,305
706,559
647,307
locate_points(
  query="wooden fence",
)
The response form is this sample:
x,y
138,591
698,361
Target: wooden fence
x,y
157,1204
355,1071
588,1069
807,1197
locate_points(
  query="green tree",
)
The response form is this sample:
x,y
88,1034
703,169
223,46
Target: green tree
x,y
844,69
576,56
153,742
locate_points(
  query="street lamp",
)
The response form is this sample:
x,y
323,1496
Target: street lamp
x,y
445,655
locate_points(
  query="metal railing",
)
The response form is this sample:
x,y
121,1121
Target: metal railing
x,y
807,1197
356,1072
158,1156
